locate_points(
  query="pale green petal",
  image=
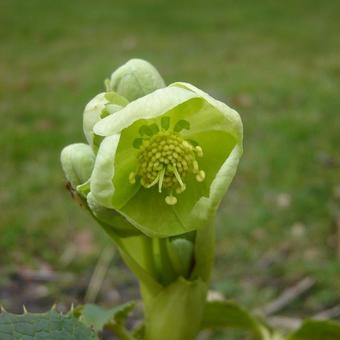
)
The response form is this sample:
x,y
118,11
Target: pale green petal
x,y
77,161
102,175
94,109
217,146
232,122
150,106
136,79
148,212
92,115
112,218
206,206
107,186
125,163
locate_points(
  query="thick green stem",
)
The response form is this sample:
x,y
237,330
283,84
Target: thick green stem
x,y
165,269
204,252
176,312
149,257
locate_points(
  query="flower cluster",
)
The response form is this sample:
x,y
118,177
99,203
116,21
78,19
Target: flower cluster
x,y
161,157
159,160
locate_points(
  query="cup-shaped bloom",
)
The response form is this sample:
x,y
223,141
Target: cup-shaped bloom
x,y
167,159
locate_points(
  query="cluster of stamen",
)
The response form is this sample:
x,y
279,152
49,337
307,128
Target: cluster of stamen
x,y
165,160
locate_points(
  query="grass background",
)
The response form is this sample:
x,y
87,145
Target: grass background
x,y
277,63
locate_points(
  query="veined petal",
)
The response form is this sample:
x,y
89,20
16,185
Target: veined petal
x,y
148,212
102,175
217,146
206,206
106,184
150,106
232,122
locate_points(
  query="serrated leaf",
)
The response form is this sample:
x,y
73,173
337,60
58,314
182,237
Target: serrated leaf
x,y
317,330
97,317
39,326
228,314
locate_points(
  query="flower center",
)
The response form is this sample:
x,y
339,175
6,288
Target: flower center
x,y
167,159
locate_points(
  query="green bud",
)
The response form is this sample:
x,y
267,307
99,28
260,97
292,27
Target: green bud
x,y
77,161
135,79
102,105
181,255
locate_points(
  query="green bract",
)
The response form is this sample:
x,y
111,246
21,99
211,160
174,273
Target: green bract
x,y
166,159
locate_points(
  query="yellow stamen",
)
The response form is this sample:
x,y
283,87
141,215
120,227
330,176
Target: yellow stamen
x,y
167,158
200,176
178,177
132,178
170,200
199,151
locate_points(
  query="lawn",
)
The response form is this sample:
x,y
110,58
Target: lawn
x,y
276,63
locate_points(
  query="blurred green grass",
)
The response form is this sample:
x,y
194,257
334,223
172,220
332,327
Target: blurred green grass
x,y
277,63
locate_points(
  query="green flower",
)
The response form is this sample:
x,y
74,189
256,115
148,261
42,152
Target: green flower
x,y
166,159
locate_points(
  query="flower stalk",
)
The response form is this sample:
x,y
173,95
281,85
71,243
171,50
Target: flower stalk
x,y
159,160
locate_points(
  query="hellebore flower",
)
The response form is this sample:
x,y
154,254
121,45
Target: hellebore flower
x,y
166,159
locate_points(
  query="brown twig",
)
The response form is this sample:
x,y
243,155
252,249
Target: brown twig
x,y
99,273
330,313
288,296
284,322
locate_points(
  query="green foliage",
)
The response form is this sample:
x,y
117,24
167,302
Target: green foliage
x,y
50,325
317,330
227,314
98,318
